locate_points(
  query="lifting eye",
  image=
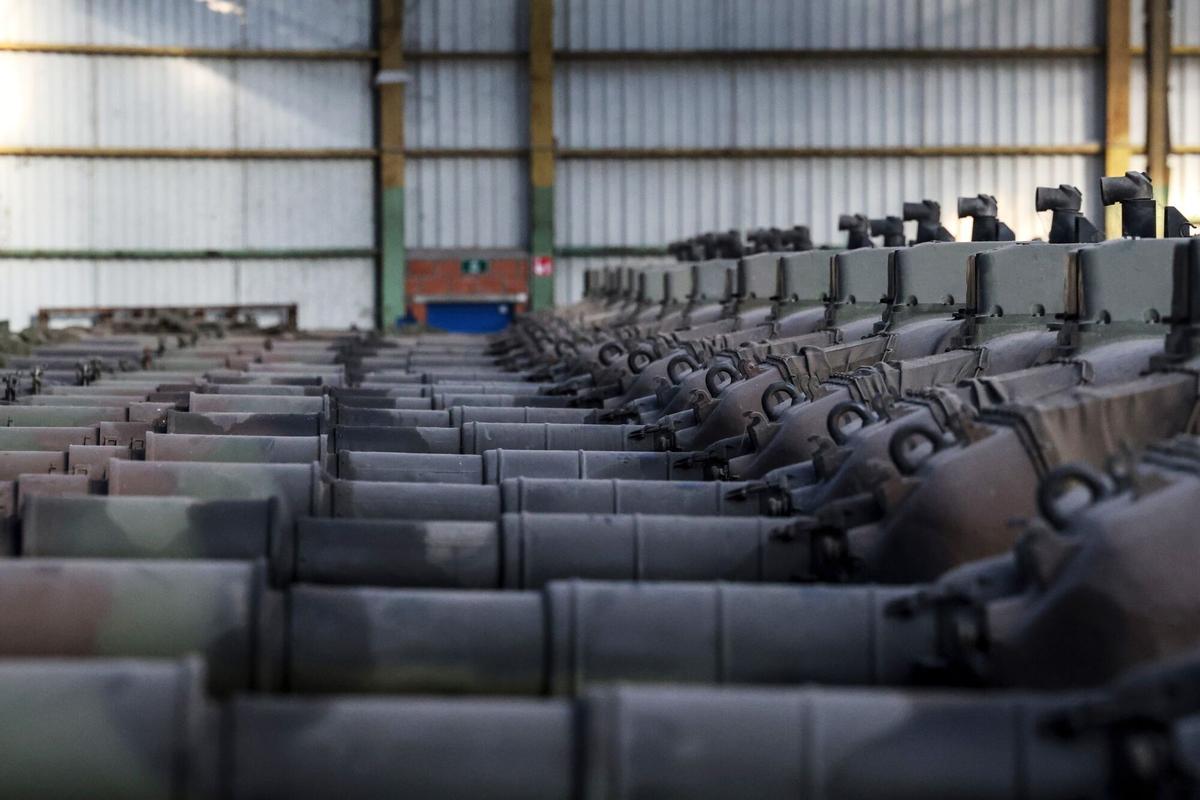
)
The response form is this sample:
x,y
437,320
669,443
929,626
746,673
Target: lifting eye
x,y
1064,482
772,407
912,446
835,423
712,380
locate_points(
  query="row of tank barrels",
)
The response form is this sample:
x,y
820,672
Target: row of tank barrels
x,y
343,547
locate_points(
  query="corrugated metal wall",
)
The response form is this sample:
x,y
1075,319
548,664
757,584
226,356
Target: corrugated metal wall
x,y
762,103
476,103
480,200
749,102
114,101
1183,104
752,102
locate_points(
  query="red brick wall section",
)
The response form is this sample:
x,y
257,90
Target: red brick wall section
x,y
445,277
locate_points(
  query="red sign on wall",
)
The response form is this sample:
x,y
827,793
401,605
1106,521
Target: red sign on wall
x,y
543,266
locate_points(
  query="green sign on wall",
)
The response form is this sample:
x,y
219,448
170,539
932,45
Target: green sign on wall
x,y
474,266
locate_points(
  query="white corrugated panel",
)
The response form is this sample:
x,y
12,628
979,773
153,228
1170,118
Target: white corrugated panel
x,y
1185,26
314,104
466,202
1185,184
54,100
498,26
30,285
760,103
644,104
160,204
775,24
653,202
1183,104
46,202
467,104
27,119
309,204
52,21
306,24
333,293
164,283
188,23
569,273
165,102
259,24
1137,100
109,101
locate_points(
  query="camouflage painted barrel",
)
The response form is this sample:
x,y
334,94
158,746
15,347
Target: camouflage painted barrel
x,y
418,359
152,375
105,728
128,434
53,484
81,400
103,387
402,748
401,439
458,415
146,609
297,487
433,501
93,460
391,438
261,390
14,463
446,373
151,528
295,367
273,378
494,466
269,404
702,744
451,399
477,437
245,449
244,423
415,402
153,412
527,551
59,416
418,403
573,633
389,390
610,744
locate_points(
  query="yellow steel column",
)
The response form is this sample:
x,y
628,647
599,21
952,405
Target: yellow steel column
x,y
1117,62
1158,68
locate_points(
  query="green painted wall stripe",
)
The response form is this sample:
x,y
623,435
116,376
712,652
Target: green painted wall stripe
x,y
188,255
541,243
393,262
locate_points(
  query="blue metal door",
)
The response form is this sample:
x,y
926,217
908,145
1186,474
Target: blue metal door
x,y
469,317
